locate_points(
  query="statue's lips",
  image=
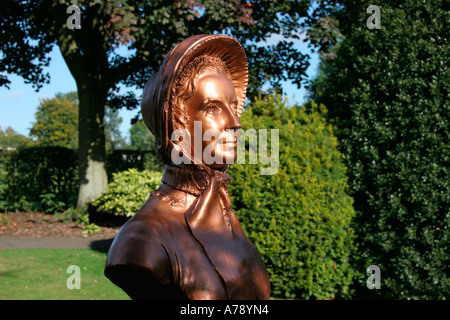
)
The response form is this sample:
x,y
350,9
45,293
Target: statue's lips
x,y
230,142
229,147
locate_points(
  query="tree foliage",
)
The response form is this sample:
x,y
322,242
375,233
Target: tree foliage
x,y
149,30
56,122
113,136
141,138
9,139
298,218
388,92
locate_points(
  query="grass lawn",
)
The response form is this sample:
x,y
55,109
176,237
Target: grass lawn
x,y
41,274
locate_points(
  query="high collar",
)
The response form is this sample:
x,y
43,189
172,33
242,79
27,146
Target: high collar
x,y
193,179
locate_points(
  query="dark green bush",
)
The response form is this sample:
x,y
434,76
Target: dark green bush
x,y
40,177
299,218
388,91
4,158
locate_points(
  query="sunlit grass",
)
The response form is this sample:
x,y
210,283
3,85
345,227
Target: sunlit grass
x,y
41,274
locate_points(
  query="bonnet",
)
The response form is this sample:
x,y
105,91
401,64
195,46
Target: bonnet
x,y
156,104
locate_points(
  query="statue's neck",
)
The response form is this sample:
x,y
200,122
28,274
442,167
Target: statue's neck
x,y
192,179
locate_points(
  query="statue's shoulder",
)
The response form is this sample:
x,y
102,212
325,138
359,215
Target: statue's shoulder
x,y
145,240
135,245
138,260
144,248
138,243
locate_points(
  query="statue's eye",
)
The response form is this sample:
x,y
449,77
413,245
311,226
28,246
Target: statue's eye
x,y
211,109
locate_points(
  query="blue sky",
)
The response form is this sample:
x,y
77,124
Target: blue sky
x,y
18,104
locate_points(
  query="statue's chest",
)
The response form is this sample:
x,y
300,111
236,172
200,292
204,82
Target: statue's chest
x,y
224,274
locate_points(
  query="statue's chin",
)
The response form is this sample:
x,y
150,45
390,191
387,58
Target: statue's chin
x,y
227,161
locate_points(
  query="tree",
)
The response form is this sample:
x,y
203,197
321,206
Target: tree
x,y
148,29
299,216
56,122
141,138
388,92
113,137
10,139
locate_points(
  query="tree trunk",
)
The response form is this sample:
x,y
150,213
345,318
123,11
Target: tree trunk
x,y
85,52
92,156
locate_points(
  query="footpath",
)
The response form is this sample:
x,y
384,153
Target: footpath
x,y
55,243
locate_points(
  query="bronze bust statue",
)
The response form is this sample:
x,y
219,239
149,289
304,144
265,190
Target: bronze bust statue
x,y
185,242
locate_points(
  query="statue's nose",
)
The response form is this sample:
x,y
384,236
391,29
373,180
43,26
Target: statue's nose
x,y
232,119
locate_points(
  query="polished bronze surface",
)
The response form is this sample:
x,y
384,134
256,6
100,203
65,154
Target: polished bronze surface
x,y
186,242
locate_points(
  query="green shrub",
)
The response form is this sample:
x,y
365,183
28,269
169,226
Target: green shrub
x,y
127,192
299,218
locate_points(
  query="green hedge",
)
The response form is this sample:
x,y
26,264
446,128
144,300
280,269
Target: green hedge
x,y
299,218
4,159
38,174
46,178
124,159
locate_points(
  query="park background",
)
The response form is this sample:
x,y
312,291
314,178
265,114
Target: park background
x,y
363,115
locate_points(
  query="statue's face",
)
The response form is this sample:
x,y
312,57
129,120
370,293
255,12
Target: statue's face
x,y
213,105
